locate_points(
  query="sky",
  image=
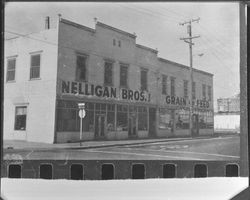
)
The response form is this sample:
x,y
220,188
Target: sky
x,y
156,25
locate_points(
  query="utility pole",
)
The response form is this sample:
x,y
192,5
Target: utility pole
x,y
189,41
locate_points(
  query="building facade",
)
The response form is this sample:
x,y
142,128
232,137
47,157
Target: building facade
x,y
229,105
128,91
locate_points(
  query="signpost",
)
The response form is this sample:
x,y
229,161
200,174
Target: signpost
x,y
82,114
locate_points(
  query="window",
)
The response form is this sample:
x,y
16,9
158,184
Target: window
x,y
35,66
122,118
164,84
20,118
114,42
11,69
142,119
204,91
108,73
123,75
209,91
81,68
119,43
193,91
144,79
172,86
185,86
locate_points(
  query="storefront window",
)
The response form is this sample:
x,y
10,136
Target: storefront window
x,y
110,121
66,119
182,119
142,119
122,118
165,120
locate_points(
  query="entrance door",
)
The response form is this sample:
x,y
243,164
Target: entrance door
x,y
100,126
132,126
152,122
195,131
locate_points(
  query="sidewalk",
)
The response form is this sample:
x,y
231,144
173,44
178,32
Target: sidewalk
x,y
17,144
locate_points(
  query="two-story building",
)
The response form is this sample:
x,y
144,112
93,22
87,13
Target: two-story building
x,y
128,91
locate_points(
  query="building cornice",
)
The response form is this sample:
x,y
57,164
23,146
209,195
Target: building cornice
x,y
184,66
77,25
146,48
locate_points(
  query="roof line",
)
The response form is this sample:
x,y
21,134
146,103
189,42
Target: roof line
x,y
116,29
147,48
184,66
77,25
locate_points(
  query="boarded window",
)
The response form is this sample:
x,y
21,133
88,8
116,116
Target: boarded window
x,y
81,68
35,66
11,69
108,73
20,118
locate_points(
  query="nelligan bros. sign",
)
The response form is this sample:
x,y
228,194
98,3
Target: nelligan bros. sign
x,y
78,88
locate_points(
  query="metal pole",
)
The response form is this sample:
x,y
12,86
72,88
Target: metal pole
x,y
81,132
191,82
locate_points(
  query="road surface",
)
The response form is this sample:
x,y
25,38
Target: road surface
x,y
219,148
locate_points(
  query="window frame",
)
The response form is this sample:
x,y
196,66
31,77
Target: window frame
x,y
35,54
185,89
112,71
209,92
146,85
193,90
86,67
164,84
127,76
7,70
15,121
204,93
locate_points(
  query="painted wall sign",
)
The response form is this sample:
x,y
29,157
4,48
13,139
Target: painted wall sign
x,y
78,88
174,100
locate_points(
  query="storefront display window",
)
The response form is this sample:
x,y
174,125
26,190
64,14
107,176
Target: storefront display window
x,y
165,120
122,117
142,118
182,119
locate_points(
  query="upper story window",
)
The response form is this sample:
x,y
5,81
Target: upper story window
x,y
119,43
123,75
185,87
114,42
81,68
35,66
164,84
193,90
11,69
203,91
209,92
20,118
144,79
108,73
172,83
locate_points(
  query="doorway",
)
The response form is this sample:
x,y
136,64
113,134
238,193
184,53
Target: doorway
x,y
132,132
152,122
100,126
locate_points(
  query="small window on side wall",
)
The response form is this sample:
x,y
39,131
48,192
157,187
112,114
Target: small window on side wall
x,y
108,73
35,66
20,118
11,69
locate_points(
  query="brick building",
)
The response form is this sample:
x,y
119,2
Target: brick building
x,y
128,91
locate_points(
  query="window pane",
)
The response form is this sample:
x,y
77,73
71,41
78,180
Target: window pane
x,y
81,68
35,60
10,75
142,119
20,118
143,80
172,86
123,75
164,84
11,64
193,90
110,121
108,73
185,88
122,121
35,72
203,91
182,121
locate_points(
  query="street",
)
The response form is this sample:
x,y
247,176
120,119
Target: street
x,y
218,148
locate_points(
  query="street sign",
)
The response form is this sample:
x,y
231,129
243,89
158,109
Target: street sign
x,y
82,113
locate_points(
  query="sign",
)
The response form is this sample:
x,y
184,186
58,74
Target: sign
x,y
82,113
79,88
174,100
